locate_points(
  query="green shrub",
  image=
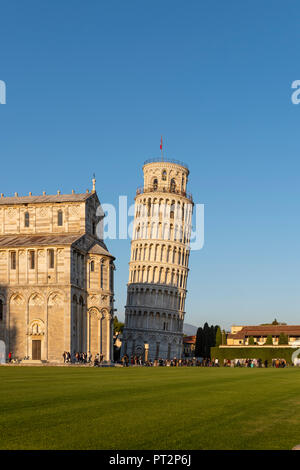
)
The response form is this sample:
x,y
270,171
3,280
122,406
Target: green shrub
x,y
224,340
283,339
253,353
218,337
269,340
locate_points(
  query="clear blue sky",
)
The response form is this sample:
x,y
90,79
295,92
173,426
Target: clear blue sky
x,y
92,85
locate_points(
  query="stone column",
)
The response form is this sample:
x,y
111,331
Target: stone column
x,y
146,351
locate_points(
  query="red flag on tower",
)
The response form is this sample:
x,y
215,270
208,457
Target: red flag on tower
x,y
160,143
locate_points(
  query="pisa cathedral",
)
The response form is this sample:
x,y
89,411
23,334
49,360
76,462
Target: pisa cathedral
x,y
56,277
156,292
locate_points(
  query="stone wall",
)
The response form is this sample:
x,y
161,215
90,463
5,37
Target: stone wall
x,y
56,281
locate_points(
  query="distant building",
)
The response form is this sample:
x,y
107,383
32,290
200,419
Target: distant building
x,y
240,335
189,344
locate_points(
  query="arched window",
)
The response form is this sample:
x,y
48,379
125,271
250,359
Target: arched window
x,y
60,218
26,219
101,275
1,309
164,175
31,259
155,184
162,253
137,232
173,185
92,266
13,260
51,258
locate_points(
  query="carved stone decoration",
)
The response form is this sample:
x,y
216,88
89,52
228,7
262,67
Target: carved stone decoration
x,y
17,299
36,328
3,254
55,299
21,254
36,299
94,312
41,253
106,314
74,210
43,212
11,213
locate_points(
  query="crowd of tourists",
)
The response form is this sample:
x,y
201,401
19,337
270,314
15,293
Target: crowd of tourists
x,y
82,358
201,362
277,363
126,361
187,362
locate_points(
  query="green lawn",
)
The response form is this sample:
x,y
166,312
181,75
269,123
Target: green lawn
x,y
149,408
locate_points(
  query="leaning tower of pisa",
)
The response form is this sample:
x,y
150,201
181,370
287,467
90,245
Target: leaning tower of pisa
x,y
155,308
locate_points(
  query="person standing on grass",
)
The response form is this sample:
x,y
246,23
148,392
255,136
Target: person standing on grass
x,y
9,356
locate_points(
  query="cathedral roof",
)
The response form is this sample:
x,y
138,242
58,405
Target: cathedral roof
x,y
79,239
99,250
38,240
45,198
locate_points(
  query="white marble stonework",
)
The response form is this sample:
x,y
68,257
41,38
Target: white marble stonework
x,y
158,269
56,277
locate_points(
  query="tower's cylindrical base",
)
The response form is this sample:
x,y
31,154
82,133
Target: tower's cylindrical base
x,y
160,345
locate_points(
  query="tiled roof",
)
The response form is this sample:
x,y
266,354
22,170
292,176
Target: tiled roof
x,y
14,241
38,240
189,339
99,250
45,199
265,330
